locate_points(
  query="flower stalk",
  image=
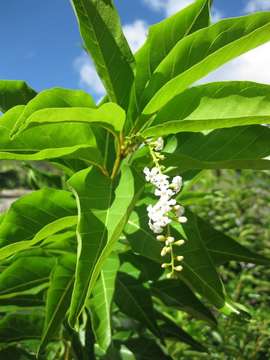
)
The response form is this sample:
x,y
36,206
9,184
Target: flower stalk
x,y
166,210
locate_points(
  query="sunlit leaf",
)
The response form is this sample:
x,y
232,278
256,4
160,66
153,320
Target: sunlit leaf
x,y
103,38
202,52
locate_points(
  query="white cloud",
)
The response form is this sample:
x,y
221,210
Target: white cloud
x,y
253,66
257,5
169,7
88,77
135,33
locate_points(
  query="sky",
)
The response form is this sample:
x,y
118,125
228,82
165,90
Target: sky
x,y
41,44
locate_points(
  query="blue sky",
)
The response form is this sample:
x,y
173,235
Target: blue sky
x,y
40,40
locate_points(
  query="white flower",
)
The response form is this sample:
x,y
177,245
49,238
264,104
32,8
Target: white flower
x,y
150,174
159,144
160,181
176,184
164,192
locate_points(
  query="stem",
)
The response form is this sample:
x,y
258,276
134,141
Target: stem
x,y
171,252
118,157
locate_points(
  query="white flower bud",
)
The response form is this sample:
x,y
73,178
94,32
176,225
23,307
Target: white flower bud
x,y
161,238
164,251
169,276
179,258
182,219
165,266
170,240
178,268
179,242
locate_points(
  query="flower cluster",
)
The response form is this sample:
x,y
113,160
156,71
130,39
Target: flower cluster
x,y
166,209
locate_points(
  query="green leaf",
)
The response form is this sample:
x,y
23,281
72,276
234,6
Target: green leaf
x,y
110,116
13,352
32,212
54,98
202,52
58,298
21,325
149,270
175,294
102,34
23,300
172,331
49,142
46,234
188,163
214,106
104,208
100,303
223,248
235,148
161,39
198,269
146,349
14,92
22,275
134,300
61,242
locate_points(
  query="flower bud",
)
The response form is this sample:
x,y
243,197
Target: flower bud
x,y
178,268
179,242
165,250
164,266
182,219
161,238
179,258
169,240
169,276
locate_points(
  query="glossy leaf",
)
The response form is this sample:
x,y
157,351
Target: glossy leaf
x,y
14,92
148,269
103,38
23,300
54,98
188,163
45,234
22,275
198,268
213,106
110,116
146,349
171,330
134,300
223,248
101,302
202,52
175,294
32,212
161,39
58,297
104,207
49,142
21,325
244,147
